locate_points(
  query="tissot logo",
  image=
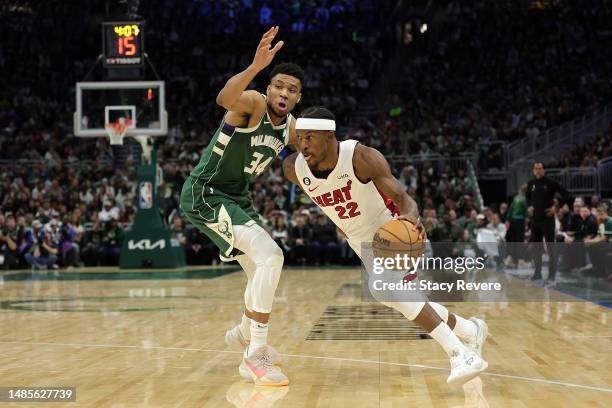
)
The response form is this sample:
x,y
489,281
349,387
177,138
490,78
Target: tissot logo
x,y
343,176
146,244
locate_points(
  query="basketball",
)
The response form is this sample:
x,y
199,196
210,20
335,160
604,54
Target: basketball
x,y
397,237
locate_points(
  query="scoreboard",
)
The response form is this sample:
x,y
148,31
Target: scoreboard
x,y
123,44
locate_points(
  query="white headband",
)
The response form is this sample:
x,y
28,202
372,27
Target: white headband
x,y
315,124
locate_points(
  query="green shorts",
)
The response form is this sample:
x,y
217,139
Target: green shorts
x,y
215,213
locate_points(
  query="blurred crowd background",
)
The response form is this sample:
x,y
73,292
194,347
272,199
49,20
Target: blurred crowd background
x,y
490,72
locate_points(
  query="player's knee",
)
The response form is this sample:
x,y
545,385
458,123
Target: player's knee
x,y
275,258
274,262
410,310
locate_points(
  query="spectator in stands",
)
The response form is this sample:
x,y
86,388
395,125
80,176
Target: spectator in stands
x,y
408,178
599,247
52,228
301,234
89,252
68,247
574,255
43,253
347,255
109,211
280,198
470,224
111,239
586,229
200,250
8,243
503,212
22,230
280,234
324,243
177,231
128,214
498,228
31,236
516,219
488,242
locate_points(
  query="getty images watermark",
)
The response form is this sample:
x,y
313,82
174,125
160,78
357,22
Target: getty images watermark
x,y
476,271
411,265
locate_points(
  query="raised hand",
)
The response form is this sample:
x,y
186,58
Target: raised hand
x,y
264,54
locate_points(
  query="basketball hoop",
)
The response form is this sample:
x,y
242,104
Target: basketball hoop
x,y
117,130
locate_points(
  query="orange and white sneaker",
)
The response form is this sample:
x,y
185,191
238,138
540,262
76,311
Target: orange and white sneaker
x,y
260,368
234,338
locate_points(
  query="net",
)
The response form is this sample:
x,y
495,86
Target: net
x,y
117,130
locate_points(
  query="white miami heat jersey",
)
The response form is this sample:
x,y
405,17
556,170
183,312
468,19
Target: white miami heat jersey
x,y
358,209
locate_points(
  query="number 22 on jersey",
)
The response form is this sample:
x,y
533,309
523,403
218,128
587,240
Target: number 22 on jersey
x,y
352,210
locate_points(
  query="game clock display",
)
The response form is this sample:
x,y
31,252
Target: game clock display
x,y
123,44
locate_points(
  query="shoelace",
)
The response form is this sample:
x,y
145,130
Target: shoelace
x,y
264,360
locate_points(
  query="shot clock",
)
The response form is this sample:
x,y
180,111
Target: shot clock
x,y
123,44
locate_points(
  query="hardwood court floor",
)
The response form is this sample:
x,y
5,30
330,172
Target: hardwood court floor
x,y
156,340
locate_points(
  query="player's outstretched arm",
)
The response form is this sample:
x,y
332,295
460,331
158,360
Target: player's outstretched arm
x,y
289,168
370,164
234,96
293,138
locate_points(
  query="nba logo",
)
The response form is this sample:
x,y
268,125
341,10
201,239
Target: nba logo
x,y
146,195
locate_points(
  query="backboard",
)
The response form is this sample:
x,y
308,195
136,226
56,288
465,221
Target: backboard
x,y
100,103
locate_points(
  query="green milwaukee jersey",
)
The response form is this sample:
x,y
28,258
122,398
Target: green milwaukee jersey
x,y
236,156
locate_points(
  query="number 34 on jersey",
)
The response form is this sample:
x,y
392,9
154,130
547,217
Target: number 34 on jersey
x,y
257,166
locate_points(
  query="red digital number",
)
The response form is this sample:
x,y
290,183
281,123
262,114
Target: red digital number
x,y
352,211
125,46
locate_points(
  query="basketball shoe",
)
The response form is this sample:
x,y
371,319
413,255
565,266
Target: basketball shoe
x,y
465,365
234,338
260,368
482,331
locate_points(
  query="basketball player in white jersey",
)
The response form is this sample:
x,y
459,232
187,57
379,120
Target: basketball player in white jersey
x,y
354,187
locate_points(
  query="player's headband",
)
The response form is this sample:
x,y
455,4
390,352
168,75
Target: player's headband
x,y
315,124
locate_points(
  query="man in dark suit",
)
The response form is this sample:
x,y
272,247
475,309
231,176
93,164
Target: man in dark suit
x,y
541,192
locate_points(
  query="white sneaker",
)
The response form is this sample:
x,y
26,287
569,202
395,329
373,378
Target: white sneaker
x,y
465,365
234,338
260,368
482,331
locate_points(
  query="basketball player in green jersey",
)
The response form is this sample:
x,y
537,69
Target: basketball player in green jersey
x,y
216,197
